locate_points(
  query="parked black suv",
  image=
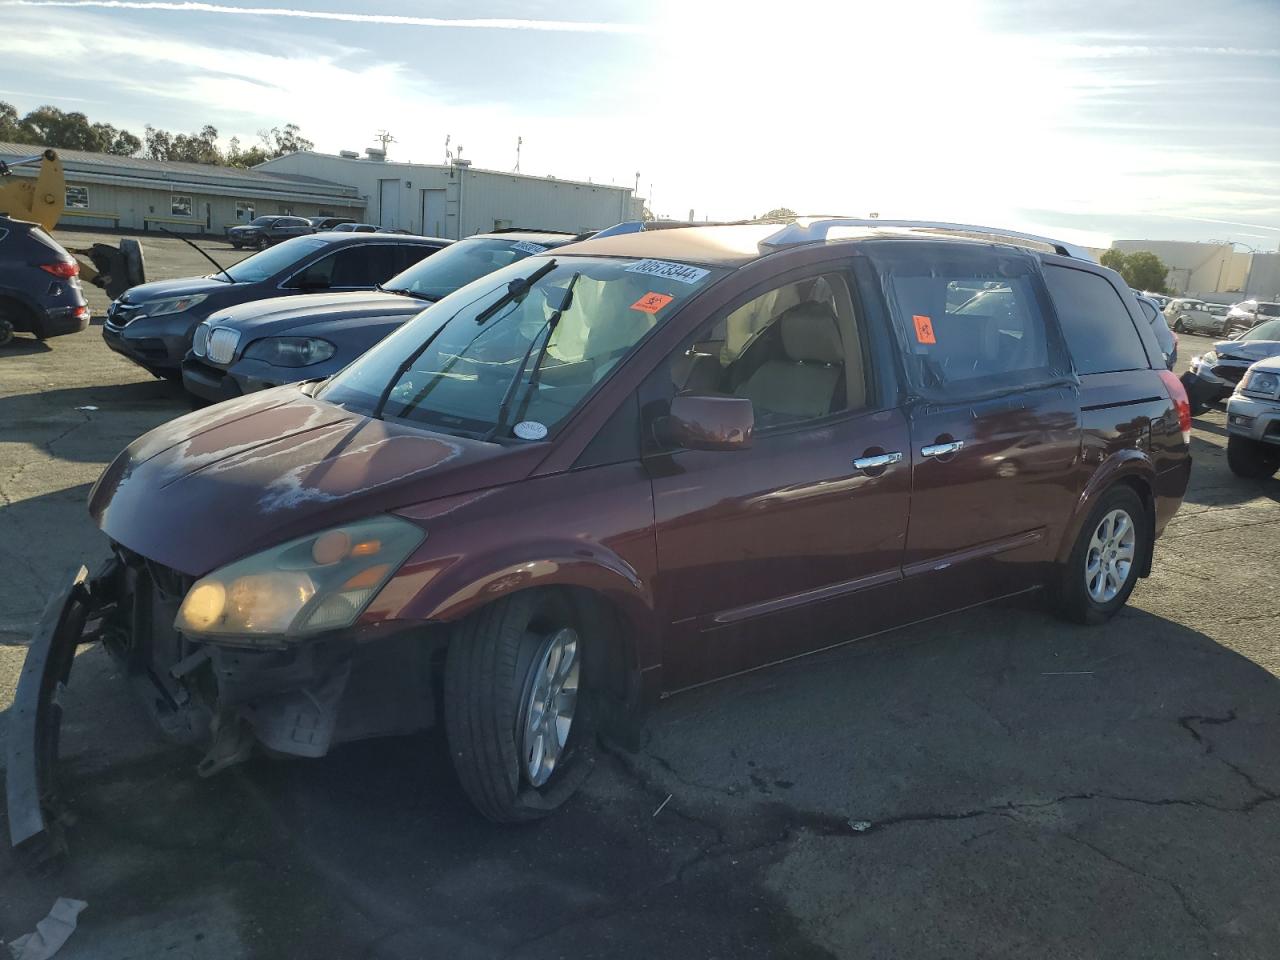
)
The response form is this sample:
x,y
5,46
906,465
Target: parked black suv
x,y
39,284
328,223
264,344
152,324
262,232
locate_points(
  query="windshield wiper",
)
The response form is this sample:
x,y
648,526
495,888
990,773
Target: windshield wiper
x,y
548,328
515,289
405,293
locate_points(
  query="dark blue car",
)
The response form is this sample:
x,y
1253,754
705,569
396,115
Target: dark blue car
x,y
39,284
264,344
152,324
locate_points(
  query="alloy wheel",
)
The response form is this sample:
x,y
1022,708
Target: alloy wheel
x,y
549,704
1108,562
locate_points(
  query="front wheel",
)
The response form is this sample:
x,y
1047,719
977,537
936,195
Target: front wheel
x,y
1104,563
519,730
6,331
1251,459
262,243
1177,326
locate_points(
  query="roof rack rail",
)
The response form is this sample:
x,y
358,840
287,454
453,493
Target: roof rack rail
x,y
815,229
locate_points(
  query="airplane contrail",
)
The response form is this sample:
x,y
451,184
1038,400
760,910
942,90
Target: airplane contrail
x,y
195,6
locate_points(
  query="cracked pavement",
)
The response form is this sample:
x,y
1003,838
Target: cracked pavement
x,y
994,784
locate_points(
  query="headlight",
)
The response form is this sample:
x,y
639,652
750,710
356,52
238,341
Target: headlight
x,y
159,308
1262,382
315,583
290,351
1210,358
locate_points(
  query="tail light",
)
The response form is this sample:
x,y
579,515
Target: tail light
x,y
1178,394
65,269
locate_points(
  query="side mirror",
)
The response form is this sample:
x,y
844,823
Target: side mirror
x,y
709,423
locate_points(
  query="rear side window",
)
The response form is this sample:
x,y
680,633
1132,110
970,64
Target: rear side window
x,y
973,322
1099,331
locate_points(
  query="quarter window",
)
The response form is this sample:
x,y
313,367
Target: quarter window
x,y
180,206
1098,328
77,198
794,351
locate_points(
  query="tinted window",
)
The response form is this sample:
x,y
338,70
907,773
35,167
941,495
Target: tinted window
x,y
356,266
1099,331
1269,309
459,263
1148,311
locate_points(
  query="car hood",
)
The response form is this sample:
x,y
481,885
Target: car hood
x,y
1270,365
163,289
238,477
245,227
272,317
1247,349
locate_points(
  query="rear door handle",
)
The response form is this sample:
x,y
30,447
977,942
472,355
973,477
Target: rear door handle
x,y
877,462
941,449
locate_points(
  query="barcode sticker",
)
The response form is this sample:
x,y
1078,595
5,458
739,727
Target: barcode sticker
x,y
668,271
524,246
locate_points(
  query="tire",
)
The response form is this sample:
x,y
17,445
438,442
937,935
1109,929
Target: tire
x,y
1093,598
6,331
262,243
1250,459
236,246
494,659
1177,326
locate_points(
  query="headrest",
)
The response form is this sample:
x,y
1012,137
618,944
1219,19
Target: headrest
x,y
809,333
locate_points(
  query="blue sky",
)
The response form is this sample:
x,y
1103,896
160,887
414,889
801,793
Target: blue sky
x,y
1155,120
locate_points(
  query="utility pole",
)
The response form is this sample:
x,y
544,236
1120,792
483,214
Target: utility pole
x,y
519,144
448,157
384,137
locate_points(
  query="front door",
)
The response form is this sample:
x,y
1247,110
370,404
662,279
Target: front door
x,y
995,433
782,548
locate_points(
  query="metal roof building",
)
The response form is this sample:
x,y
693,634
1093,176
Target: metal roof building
x,y
104,190
457,200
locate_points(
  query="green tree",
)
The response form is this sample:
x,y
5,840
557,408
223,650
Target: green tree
x,y
1141,270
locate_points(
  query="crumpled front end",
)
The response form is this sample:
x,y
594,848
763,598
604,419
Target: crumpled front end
x,y
227,698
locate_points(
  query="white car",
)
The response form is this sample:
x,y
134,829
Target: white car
x,y
1253,421
1193,316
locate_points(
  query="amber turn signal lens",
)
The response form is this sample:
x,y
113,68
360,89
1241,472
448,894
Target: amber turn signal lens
x,y
367,579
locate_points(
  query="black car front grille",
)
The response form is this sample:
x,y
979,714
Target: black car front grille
x,y
1228,373
119,314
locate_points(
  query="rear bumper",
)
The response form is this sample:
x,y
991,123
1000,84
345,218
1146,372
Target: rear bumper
x,y
61,321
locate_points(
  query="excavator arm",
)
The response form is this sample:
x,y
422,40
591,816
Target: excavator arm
x,y
39,200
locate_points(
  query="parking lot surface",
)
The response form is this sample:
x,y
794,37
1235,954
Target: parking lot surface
x,y
994,784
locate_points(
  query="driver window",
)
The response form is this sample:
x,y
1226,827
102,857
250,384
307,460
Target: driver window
x,y
794,351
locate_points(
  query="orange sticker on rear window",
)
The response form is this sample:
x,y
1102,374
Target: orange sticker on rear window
x,y
924,329
651,302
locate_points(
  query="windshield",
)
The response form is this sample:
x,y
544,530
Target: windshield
x,y
1268,330
1217,309
458,264
271,261
566,341
262,221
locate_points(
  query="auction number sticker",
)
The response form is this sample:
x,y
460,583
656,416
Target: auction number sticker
x,y
668,271
924,329
524,246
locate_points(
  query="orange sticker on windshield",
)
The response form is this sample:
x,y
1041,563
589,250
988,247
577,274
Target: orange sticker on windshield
x,y
924,329
651,302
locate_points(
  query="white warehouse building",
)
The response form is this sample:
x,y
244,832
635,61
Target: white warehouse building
x,y
457,200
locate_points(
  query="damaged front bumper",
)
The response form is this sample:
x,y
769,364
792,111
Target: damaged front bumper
x,y
297,699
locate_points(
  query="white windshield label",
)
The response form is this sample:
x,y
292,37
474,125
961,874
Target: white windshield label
x,y
529,430
669,271
524,246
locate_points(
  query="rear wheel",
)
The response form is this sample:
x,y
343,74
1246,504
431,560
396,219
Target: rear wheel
x,y
1251,459
262,243
1177,326
6,331
1110,550
519,731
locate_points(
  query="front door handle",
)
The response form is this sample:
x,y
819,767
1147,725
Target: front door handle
x,y
942,449
878,461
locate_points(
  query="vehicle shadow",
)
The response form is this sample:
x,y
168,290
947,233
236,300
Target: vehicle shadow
x,y
23,346
998,782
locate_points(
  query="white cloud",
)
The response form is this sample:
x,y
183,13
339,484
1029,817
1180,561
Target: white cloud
x,y
193,6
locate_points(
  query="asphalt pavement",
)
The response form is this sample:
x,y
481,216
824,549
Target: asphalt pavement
x,y
995,784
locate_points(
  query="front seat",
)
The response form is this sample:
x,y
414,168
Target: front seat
x,y
802,381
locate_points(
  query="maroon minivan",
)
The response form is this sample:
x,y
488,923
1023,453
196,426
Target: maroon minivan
x,y
617,470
